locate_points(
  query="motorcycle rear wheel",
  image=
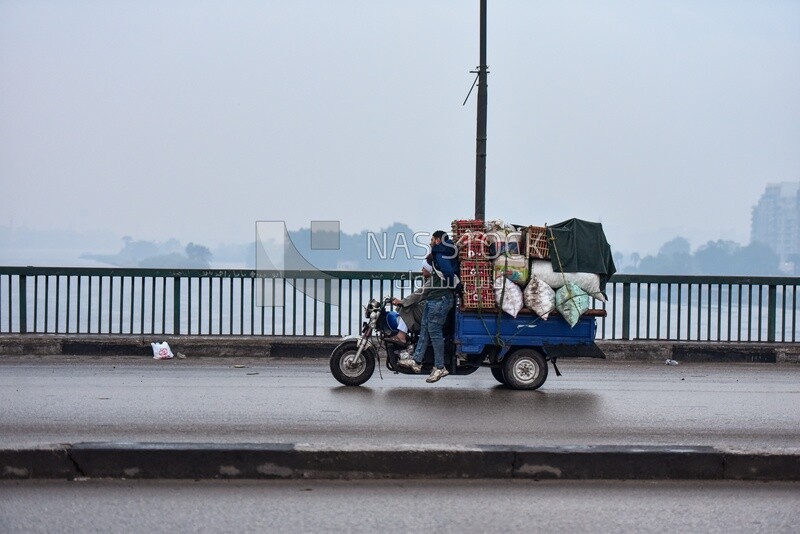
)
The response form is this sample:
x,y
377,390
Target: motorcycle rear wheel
x,y
525,369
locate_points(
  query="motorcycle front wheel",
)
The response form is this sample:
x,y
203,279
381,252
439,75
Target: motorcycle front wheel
x,y
348,369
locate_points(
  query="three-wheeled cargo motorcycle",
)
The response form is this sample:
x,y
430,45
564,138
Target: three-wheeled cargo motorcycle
x,y
515,349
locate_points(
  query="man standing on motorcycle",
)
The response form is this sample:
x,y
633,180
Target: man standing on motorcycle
x,y
440,299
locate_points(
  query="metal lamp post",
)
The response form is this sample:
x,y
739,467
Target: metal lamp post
x,y
480,143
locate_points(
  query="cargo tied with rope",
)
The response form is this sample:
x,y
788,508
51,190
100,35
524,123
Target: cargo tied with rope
x,y
573,253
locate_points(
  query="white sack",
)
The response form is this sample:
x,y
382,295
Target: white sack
x,y
540,298
589,282
510,299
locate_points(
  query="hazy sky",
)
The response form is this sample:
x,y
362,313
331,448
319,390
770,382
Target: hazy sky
x,y
194,119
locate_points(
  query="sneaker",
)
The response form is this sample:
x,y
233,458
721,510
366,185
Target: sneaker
x,y
436,375
410,364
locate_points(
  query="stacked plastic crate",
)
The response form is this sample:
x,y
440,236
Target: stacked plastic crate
x,y
536,244
476,268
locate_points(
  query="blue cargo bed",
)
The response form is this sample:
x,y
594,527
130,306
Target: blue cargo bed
x,y
478,331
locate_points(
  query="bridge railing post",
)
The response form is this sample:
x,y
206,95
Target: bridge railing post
x,y
772,304
626,311
176,305
326,328
23,304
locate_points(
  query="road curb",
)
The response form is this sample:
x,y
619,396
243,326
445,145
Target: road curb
x,y
290,461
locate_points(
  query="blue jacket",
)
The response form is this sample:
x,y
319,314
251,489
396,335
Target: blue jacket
x,y
444,258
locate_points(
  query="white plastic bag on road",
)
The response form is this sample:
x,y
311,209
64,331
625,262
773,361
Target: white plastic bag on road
x,y
161,351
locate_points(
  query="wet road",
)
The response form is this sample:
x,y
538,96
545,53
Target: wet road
x,y
398,506
70,400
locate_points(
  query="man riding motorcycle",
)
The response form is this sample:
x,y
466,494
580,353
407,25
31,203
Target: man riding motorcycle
x,y
410,309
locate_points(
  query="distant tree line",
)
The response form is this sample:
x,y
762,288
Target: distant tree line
x,y
387,250
150,254
721,257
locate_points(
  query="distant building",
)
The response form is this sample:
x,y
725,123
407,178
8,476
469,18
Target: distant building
x,y
776,222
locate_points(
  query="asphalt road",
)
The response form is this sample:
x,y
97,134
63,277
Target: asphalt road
x,y
70,400
399,506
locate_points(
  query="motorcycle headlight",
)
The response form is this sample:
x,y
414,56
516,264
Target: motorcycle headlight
x,y
372,306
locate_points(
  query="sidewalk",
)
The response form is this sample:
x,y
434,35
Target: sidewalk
x,y
321,347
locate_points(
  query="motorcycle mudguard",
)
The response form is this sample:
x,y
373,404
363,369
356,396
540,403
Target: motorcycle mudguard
x,y
371,348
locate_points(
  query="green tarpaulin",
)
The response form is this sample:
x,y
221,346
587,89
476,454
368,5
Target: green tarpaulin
x,y
578,246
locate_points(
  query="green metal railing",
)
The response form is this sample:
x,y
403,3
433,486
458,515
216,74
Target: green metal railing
x,y
702,308
248,302
188,301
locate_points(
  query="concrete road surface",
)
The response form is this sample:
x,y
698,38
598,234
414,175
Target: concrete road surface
x,y
70,400
399,506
